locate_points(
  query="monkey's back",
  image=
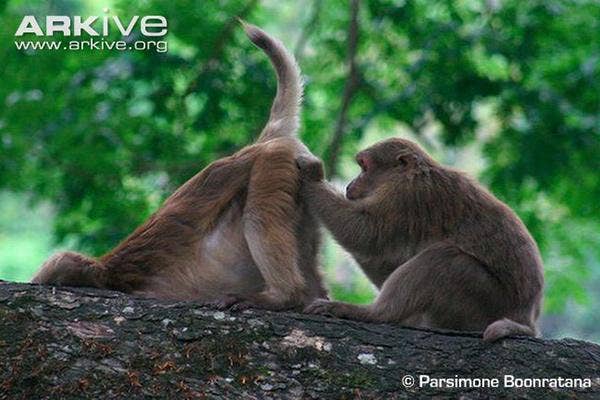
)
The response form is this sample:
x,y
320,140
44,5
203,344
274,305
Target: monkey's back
x,y
492,232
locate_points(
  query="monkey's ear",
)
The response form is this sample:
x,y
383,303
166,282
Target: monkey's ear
x,y
403,160
408,160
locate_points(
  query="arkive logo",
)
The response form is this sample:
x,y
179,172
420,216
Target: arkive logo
x,y
150,25
136,32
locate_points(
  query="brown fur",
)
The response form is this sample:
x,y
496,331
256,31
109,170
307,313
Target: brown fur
x,y
234,233
443,250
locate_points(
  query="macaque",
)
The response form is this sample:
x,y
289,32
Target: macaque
x,y
444,252
236,234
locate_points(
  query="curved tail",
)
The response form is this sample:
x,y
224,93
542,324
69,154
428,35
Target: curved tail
x,y
506,327
283,120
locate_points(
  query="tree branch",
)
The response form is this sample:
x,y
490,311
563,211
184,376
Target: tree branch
x,y
62,343
308,29
350,89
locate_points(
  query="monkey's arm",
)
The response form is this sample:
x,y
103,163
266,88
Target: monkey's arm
x,y
352,223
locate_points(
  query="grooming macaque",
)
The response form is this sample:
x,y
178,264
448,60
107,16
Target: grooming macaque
x,y
444,252
236,233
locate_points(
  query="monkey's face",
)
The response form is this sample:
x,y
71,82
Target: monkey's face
x,y
387,160
364,184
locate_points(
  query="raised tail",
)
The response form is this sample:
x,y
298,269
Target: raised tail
x,y
284,119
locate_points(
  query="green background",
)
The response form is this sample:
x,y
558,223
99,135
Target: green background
x,y
92,141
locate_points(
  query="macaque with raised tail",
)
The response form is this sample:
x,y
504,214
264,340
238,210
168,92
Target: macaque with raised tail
x,y
236,234
444,252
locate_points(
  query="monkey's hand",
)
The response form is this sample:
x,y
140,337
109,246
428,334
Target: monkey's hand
x,y
311,168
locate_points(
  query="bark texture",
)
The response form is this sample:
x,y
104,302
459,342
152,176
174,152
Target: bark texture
x,y
85,343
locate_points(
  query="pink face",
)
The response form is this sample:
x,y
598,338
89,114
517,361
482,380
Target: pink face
x,y
360,186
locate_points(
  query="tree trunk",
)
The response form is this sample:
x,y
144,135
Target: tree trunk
x,y
74,343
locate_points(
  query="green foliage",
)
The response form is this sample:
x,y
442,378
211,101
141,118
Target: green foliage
x,y
25,237
106,135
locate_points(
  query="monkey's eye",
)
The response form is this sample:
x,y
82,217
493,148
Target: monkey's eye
x,y
401,162
362,162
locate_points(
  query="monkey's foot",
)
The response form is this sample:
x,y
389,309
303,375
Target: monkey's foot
x,y
222,303
326,307
242,305
262,305
232,302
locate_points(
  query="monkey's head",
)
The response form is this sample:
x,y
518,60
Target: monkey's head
x,y
384,161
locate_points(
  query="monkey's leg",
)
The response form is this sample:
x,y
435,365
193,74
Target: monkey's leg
x,y
398,300
507,327
209,192
71,269
270,217
440,287
151,262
